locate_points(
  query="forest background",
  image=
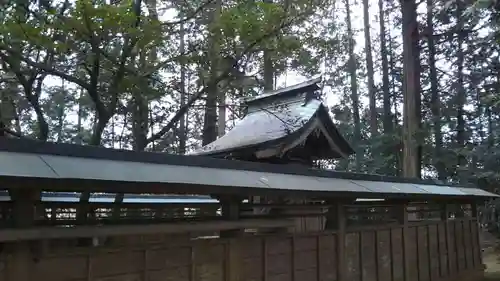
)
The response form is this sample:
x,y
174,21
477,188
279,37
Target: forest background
x,y
413,85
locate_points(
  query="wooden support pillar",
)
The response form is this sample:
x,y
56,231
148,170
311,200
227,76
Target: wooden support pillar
x,y
116,206
231,211
20,259
83,207
25,206
82,213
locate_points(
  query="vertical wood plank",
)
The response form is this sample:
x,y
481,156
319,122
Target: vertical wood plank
x,y
89,266
232,260
434,252
145,269
397,254
429,252
227,261
341,263
440,249
318,258
476,240
417,253
406,242
361,256
383,255
292,255
472,238
461,228
447,239
264,259
457,245
377,264
192,271
465,237
391,254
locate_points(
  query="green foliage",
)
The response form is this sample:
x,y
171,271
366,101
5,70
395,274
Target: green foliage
x,y
249,20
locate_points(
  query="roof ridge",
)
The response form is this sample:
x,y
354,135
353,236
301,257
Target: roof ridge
x,y
278,92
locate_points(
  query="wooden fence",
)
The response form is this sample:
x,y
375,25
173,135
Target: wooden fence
x,y
423,251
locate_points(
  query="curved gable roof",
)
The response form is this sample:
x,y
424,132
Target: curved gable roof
x,y
278,117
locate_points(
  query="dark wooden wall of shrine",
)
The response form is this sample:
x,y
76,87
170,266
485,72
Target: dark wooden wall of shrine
x,y
423,251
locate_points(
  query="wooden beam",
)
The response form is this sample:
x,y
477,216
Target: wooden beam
x,y
231,212
10,235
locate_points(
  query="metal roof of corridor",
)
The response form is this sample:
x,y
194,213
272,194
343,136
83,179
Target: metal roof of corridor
x,y
65,167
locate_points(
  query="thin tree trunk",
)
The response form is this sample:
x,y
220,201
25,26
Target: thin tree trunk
x,y
369,69
79,131
435,99
354,87
210,119
182,120
461,98
387,121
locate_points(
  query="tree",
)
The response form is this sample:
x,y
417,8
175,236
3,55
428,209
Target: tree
x,y
411,91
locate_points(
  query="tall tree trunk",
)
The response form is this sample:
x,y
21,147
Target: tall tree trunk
x,y
354,87
140,101
369,69
153,16
182,120
222,118
7,110
268,63
140,120
461,98
387,121
79,129
395,103
210,118
60,115
435,99
411,91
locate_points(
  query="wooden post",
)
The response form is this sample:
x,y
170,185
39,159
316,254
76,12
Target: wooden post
x,y
20,262
231,211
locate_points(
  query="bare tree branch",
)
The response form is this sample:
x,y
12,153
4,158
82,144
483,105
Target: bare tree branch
x,y
219,78
47,68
